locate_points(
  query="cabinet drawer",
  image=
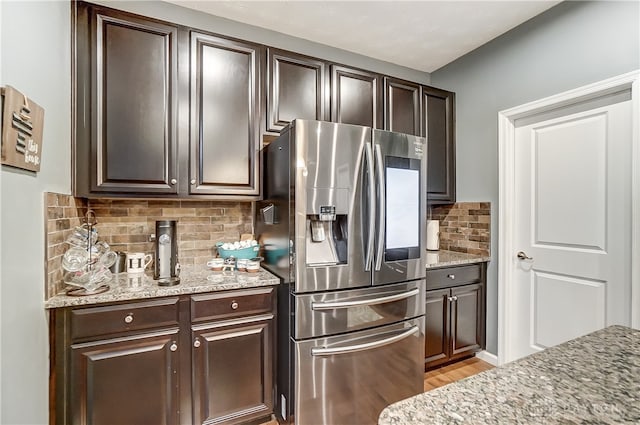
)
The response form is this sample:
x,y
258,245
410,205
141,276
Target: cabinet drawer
x,y
99,321
229,304
453,276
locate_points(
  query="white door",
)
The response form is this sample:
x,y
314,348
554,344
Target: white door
x,y
573,219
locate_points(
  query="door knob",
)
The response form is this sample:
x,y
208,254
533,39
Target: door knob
x,y
522,256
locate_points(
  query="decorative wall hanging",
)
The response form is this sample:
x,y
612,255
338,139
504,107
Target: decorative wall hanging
x,y
22,122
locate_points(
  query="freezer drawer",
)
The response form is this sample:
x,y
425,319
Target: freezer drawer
x,y
336,312
349,379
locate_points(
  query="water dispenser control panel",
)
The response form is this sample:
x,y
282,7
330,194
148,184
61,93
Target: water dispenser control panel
x,y
327,213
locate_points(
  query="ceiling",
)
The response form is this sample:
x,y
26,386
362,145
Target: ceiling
x,y
422,35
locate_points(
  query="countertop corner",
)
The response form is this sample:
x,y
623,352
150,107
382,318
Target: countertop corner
x,y
442,258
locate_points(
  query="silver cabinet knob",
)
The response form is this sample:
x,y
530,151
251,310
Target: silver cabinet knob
x,y
522,256
173,347
174,181
449,299
451,276
455,298
128,318
196,343
234,305
193,181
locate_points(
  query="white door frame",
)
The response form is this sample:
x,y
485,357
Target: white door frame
x,y
506,225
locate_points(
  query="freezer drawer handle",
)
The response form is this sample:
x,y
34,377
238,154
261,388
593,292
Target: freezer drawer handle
x,y
323,351
361,302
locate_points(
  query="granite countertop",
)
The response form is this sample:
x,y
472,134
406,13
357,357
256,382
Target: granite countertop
x,y
444,258
193,280
591,379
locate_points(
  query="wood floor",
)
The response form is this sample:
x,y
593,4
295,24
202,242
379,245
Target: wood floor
x,y
444,375
454,372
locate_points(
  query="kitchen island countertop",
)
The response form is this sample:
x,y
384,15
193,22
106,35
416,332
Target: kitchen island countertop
x,y
591,379
193,280
444,258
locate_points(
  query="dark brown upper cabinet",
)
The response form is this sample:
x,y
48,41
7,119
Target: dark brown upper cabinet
x,y
297,88
164,110
356,97
438,126
126,103
401,106
225,106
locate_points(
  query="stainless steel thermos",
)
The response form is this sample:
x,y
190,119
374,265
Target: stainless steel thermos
x,y
166,266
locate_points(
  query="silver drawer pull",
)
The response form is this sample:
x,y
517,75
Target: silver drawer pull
x,y
234,305
128,318
173,347
455,298
451,276
324,351
196,343
361,302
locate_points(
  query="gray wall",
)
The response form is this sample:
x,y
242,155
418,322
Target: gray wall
x,y
181,15
570,45
36,60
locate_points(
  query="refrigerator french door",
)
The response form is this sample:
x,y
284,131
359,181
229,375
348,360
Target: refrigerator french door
x,y
360,206
400,176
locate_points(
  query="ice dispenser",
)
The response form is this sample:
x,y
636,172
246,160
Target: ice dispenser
x,y
326,237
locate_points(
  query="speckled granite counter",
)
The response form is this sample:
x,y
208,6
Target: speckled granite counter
x,y
443,258
193,279
592,379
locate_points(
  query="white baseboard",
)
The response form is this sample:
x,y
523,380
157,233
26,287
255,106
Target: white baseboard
x,y
486,356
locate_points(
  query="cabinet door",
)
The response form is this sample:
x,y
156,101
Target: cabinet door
x,y
438,127
126,103
298,88
436,349
467,318
355,97
232,372
225,94
401,106
131,380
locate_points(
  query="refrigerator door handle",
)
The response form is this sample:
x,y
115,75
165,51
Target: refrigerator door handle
x,y
372,208
381,203
332,305
330,351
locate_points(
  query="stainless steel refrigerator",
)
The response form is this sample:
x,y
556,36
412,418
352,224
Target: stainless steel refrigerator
x,y
343,223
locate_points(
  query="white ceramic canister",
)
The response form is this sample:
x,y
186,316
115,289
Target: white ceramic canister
x,y
433,235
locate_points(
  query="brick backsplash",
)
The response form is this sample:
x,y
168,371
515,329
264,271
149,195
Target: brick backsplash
x,y
126,225
62,214
464,227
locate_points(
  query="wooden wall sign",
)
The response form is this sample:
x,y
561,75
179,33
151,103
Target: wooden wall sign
x,y
22,122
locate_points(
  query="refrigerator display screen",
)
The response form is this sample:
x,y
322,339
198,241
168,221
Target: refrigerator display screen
x,y
402,208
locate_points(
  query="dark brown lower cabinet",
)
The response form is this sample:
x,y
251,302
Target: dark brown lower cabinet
x,y
455,315
232,372
130,380
157,362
